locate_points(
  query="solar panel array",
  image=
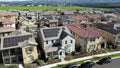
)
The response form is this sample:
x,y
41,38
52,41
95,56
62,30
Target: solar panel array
x,y
51,32
13,41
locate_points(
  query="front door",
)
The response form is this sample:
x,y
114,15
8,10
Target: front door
x,y
61,54
103,45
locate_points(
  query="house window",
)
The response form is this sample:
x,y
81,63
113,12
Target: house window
x,y
14,59
65,42
29,50
48,54
52,41
5,53
12,52
7,60
46,42
92,39
71,41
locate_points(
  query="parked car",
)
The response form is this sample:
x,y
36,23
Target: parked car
x,y
104,60
71,66
87,65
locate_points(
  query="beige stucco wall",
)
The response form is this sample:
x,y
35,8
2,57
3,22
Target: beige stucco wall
x,y
85,44
94,44
25,55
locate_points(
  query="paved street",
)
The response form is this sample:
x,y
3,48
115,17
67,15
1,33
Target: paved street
x,y
114,64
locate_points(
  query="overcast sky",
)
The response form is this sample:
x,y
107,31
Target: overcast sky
x,y
13,0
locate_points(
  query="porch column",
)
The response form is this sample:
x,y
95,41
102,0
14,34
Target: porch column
x,y
3,58
9,56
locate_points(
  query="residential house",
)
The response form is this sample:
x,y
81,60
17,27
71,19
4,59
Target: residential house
x,y
110,32
96,18
7,14
56,41
8,19
88,38
48,21
28,16
18,47
7,22
110,17
4,31
69,13
65,19
80,19
51,13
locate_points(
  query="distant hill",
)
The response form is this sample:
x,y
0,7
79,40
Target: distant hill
x,y
65,1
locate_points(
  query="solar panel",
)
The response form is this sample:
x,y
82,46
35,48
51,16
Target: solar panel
x,y
51,32
13,41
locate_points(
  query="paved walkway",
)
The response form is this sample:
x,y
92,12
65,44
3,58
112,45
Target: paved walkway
x,y
62,59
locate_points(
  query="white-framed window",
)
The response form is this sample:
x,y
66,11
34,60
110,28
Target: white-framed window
x,y
71,41
46,42
65,42
52,41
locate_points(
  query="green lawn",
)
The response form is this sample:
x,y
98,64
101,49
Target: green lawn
x,y
42,7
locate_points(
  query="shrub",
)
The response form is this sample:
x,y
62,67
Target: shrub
x,y
52,55
68,58
73,53
12,66
81,50
40,62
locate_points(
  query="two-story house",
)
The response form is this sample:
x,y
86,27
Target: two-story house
x,y
49,21
80,19
18,47
88,38
110,32
56,41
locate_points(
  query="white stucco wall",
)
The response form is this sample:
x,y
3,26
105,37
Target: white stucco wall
x,y
68,39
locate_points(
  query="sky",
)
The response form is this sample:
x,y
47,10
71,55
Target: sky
x,y
13,0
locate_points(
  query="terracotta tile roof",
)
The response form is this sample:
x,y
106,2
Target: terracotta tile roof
x,y
7,20
5,13
49,12
93,16
84,32
79,17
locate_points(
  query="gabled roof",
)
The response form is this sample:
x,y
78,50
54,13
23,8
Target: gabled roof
x,y
6,13
7,21
68,12
54,33
85,32
108,28
63,17
79,17
63,35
